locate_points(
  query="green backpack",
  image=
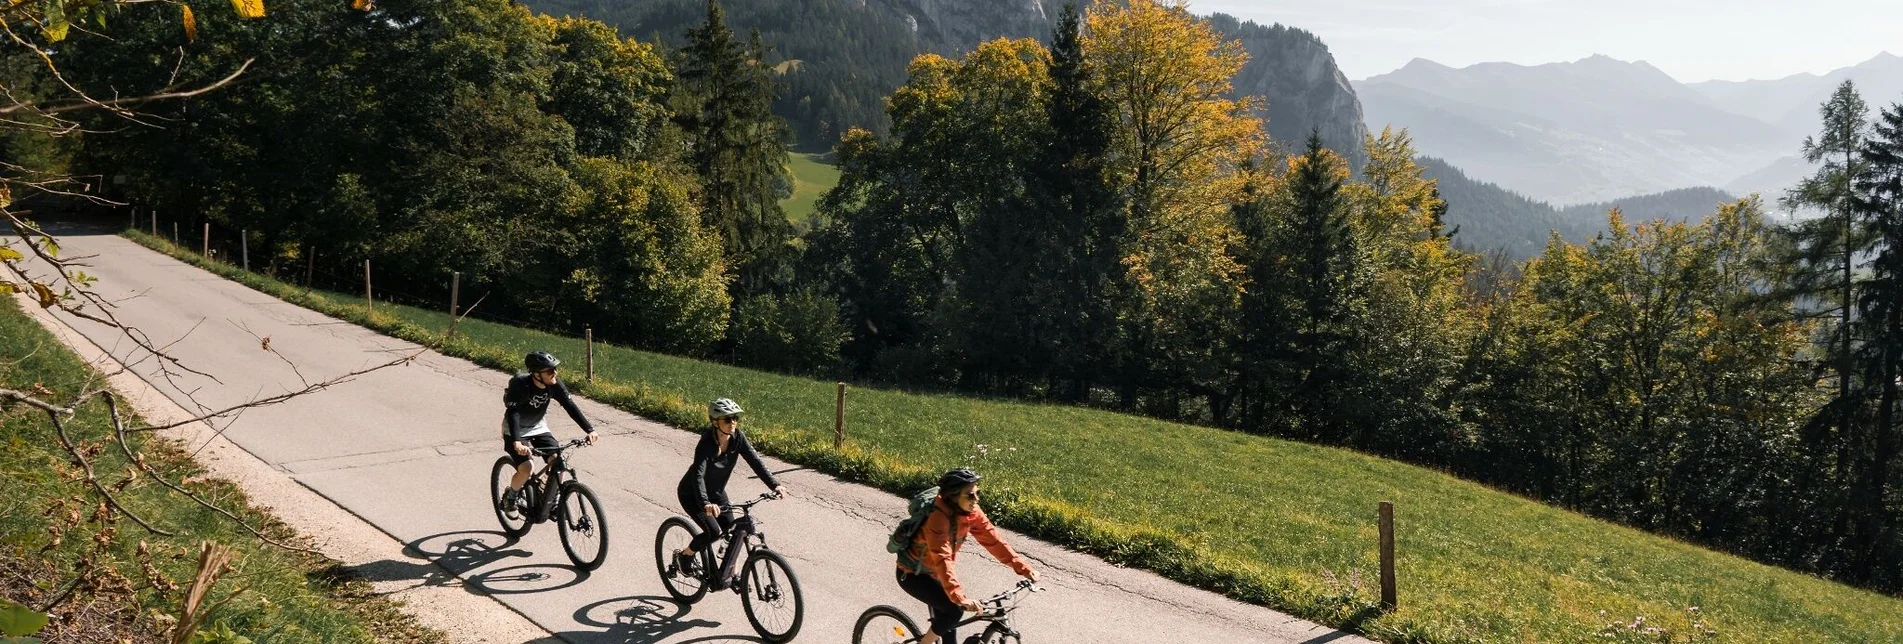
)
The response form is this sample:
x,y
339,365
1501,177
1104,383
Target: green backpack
x,y
920,507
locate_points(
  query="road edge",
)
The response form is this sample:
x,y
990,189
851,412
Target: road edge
x,y
464,615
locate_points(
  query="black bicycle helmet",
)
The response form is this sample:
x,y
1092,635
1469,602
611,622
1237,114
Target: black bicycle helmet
x,y
540,361
957,478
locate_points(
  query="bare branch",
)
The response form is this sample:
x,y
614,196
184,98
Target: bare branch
x,y
273,400
93,479
119,428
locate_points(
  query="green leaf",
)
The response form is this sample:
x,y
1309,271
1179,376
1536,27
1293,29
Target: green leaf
x,y
7,254
17,620
55,21
52,247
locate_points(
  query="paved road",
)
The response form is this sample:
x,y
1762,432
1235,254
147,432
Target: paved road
x,y
409,450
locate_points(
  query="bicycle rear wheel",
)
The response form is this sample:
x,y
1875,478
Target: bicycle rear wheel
x,y
885,625
498,484
584,527
771,595
676,532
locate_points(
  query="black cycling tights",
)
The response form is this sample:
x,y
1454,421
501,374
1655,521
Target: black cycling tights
x,y
945,614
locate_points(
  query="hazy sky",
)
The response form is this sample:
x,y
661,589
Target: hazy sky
x,y
1692,40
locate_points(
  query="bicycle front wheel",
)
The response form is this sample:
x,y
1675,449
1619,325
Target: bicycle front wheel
x,y
686,586
584,527
885,625
771,595
498,484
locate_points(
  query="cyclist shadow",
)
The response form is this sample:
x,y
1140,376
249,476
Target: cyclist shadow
x,y
449,557
642,620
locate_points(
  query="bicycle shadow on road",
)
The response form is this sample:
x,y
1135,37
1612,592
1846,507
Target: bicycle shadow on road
x,y
642,620
449,557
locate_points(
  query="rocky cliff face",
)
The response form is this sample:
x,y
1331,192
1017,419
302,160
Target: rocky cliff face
x,y
1293,72
955,26
1290,69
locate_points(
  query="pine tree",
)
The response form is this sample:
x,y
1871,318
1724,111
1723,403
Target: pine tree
x,y
1319,246
1075,189
736,146
1877,200
1821,254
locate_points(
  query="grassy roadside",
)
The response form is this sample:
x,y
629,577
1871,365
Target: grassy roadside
x,y
48,530
1271,522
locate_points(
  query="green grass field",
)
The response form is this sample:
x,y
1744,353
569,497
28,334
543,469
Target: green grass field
x,y
811,178
290,597
1268,521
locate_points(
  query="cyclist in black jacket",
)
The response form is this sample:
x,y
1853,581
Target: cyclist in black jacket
x,y
704,488
525,418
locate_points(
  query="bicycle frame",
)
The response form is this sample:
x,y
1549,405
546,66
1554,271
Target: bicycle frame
x,y
739,536
551,479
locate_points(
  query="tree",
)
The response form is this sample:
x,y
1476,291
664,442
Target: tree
x,y
1074,189
736,146
611,90
1877,200
1180,143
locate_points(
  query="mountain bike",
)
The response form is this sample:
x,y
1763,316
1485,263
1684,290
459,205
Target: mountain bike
x,y
554,493
888,625
768,590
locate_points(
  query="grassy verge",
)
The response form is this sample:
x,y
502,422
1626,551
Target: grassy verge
x,y
811,178
1272,522
48,529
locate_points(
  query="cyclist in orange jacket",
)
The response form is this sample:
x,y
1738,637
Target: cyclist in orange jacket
x,y
926,570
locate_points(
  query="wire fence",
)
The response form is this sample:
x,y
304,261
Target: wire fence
x,y
341,274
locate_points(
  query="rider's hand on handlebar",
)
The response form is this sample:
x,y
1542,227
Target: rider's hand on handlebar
x,y
521,448
591,437
1032,576
971,606
712,510
781,492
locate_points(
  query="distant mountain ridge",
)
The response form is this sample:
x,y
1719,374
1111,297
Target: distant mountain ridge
x,y
1576,132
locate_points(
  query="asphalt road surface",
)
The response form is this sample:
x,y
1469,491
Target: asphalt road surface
x,y
409,450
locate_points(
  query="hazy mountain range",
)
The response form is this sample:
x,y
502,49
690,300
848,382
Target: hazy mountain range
x,y
1599,128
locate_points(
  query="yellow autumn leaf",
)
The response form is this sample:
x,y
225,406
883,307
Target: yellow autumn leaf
x,y
7,254
191,21
248,8
46,296
362,5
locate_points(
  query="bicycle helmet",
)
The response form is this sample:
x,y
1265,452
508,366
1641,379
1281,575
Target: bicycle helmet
x,y
722,408
540,361
957,478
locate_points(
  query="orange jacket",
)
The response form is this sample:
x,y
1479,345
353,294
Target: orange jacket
x,y
937,545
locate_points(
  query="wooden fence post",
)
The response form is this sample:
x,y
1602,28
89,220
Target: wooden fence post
x,y
368,302
1387,556
839,417
155,223
244,247
174,233
589,334
204,249
455,292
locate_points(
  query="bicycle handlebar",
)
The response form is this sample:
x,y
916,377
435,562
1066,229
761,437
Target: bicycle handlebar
x,y
572,444
1024,586
743,506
